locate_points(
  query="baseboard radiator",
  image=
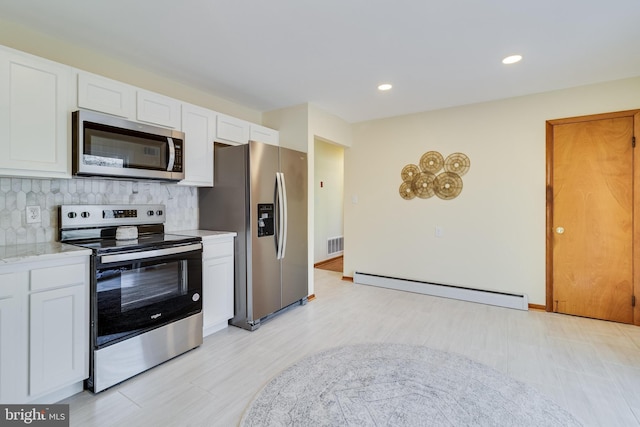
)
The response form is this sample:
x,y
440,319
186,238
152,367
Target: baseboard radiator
x,y
501,299
335,245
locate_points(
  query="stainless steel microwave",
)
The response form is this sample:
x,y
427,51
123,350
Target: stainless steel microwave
x,y
110,146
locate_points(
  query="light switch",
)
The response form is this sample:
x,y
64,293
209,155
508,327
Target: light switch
x,y
439,231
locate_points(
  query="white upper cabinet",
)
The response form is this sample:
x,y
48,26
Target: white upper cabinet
x,y
264,134
199,127
120,99
158,109
98,93
36,97
231,129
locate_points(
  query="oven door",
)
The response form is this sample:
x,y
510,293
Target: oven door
x,y
139,291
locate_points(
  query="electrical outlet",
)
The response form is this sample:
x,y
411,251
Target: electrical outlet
x,y
33,214
439,232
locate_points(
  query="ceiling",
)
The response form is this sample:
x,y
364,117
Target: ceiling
x,y
270,54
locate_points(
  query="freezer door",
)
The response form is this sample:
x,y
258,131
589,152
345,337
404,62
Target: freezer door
x,y
264,291
293,166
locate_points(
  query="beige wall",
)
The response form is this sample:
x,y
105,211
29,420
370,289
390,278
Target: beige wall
x,y
293,124
27,40
494,232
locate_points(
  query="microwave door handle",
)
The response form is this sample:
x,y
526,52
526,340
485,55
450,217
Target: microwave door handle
x,y
172,154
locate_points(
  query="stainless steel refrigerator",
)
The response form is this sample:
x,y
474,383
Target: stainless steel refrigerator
x,y
260,192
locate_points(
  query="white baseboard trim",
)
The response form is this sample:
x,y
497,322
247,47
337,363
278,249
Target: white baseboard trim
x,y
60,394
211,329
501,299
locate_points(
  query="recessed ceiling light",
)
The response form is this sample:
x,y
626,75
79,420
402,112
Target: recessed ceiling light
x,y
512,59
385,86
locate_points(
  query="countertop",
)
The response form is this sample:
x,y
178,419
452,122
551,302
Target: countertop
x,y
51,250
206,235
38,252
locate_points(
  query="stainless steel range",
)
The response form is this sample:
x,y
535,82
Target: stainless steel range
x,y
145,288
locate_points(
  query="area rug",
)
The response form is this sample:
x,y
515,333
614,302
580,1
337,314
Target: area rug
x,y
398,385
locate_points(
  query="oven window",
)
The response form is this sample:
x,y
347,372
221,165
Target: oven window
x,y
136,286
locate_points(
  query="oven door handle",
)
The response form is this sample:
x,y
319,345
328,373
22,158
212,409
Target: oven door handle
x,y
130,256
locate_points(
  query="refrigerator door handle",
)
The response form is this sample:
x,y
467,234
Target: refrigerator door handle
x,y
280,214
284,215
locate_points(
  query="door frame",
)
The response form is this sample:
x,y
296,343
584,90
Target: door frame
x,y
636,202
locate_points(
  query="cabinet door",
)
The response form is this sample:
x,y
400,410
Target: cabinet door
x,y
217,292
198,125
35,104
264,134
158,109
231,129
13,332
105,95
58,338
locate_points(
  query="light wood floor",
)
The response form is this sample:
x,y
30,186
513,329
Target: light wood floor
x,y
590,367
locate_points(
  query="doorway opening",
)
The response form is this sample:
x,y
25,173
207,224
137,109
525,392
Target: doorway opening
x,y
328,205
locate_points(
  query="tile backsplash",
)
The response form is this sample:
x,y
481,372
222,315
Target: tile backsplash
x,y
18,193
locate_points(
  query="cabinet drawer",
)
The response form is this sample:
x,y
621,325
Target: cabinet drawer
x,y
52,277
218,249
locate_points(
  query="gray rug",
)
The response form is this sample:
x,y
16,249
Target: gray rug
x,y
398,385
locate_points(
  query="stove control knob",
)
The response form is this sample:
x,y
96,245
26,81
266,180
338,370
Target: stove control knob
x,y
159,212
195,297
150,213
85,214
72,215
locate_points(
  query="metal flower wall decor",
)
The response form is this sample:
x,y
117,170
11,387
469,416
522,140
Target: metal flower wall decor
x,y
429,178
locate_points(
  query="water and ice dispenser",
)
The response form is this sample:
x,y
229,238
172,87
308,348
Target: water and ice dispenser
x,y
265,219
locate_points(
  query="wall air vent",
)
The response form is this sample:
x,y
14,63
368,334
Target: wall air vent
x,y
335,245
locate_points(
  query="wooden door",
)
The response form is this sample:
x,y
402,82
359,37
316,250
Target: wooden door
x,y
591,221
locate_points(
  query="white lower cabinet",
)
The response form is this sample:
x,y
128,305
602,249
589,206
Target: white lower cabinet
x,y
44,330
13,332
217,284
57,344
